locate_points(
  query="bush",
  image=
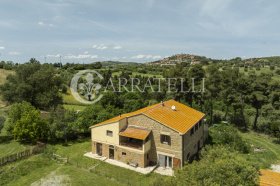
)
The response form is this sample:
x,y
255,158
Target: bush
x,y
224,134
2,121
25,123
219,166
272,67
217,116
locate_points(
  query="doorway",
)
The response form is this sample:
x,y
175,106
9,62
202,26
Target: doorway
x,y
99,149
165,161
111,152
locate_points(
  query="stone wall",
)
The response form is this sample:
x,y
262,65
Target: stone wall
x,y
173,150
191,142
125,155
130,156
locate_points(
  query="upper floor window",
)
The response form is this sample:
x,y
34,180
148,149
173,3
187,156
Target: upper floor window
x,y
109,133
165,139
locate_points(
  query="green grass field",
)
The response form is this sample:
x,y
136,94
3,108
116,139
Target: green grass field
x,y
79,171
268,151
11,148
74,107
85,171
3,74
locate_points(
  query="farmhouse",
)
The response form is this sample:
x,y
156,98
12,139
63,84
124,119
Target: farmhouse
x,y
167,134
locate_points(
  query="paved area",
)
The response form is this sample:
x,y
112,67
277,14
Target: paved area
x,y
95,156
164,171
275,168
146,170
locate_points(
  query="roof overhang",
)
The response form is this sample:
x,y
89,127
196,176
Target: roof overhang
x,y
136,133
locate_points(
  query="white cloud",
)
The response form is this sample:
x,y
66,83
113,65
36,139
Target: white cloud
x,y
117,47
53,55
2,48
142,56
81,56
41,23
86,52
100,47
14,53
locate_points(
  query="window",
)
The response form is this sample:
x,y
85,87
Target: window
x,y
192,131
165,139
109,133
123,153
200,124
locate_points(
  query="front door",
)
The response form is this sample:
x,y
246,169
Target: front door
x,y
99,149
111,152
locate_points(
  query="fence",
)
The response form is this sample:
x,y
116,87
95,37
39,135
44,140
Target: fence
x,y
23,154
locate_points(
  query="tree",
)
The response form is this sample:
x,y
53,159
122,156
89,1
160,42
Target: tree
x,y
227,135
30,127
257,100
62,124
218,166
34,83
93,114
16,112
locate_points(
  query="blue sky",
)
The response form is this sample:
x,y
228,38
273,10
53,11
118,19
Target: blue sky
x,y
137,30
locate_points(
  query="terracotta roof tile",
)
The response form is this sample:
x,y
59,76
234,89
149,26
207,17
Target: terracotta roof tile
x,y
135,133
269,178
182,119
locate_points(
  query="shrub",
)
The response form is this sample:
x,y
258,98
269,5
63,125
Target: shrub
x,y
272,67
217,116
219,165
2,121
224,134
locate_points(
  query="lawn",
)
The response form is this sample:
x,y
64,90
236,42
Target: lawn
x,y
267,152
79,171
11,147
74,107
69,99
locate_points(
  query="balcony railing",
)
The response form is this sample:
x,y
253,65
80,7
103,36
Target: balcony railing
x,y
138,146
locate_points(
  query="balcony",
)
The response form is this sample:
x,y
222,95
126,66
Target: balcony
x,y
131,143
133,137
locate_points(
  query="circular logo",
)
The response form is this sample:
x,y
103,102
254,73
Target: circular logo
x,y
85,86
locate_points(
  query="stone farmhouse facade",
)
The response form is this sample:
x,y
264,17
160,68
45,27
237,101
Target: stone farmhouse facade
x,y
167,134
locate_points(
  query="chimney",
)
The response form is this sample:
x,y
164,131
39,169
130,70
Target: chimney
x,y
173,107
162,103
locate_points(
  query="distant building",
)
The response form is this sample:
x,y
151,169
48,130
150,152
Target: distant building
x,y
167,134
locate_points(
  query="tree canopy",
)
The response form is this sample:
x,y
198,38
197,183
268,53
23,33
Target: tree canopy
x,y
35,83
